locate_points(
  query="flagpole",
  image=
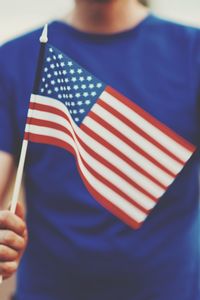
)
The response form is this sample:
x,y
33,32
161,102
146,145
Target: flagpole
x,y
20,169
43,40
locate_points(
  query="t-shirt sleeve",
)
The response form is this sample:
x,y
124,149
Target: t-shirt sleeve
x,y
196,78
198,60
7,124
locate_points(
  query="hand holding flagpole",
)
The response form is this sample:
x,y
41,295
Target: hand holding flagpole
x,y
19,175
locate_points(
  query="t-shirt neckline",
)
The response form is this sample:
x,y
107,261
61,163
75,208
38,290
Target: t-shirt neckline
x,y
69,28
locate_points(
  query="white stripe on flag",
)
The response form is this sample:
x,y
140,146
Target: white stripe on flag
x,y
151,130
136,176
139,140
125,149
133,155
127,186
101,188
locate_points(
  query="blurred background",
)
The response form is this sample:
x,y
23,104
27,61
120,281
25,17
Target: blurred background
x,y
19,16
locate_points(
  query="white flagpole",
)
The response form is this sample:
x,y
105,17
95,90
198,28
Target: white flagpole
x,y
19,176
20,169
18,181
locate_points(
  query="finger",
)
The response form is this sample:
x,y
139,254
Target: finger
x,y
8,254
8,268
25,236
20,210
12,240
12,222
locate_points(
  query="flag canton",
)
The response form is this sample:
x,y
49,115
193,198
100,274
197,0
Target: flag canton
x,y
65,80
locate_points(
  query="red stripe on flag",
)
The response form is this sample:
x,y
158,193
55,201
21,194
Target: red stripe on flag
x,y
106,125
110,206
114,188
151,119
101,199
91,133
138,130
49,124
43,139
46,108
86,159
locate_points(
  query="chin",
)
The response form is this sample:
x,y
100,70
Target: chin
x,y
100,1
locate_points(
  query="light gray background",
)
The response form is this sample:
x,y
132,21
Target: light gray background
x,y
18,16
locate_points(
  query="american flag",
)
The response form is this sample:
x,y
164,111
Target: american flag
x,y
126,158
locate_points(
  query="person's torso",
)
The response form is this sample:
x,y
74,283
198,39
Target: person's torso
x,y
73,240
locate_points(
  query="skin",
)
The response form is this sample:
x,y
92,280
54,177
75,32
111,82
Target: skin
x,y
94,16
13,231
106,16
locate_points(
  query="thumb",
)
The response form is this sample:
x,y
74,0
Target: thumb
x,y
20,210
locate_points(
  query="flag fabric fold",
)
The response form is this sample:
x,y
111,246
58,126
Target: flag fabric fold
x,y
126,158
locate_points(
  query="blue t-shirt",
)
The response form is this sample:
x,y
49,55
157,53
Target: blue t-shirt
x,y
78,250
